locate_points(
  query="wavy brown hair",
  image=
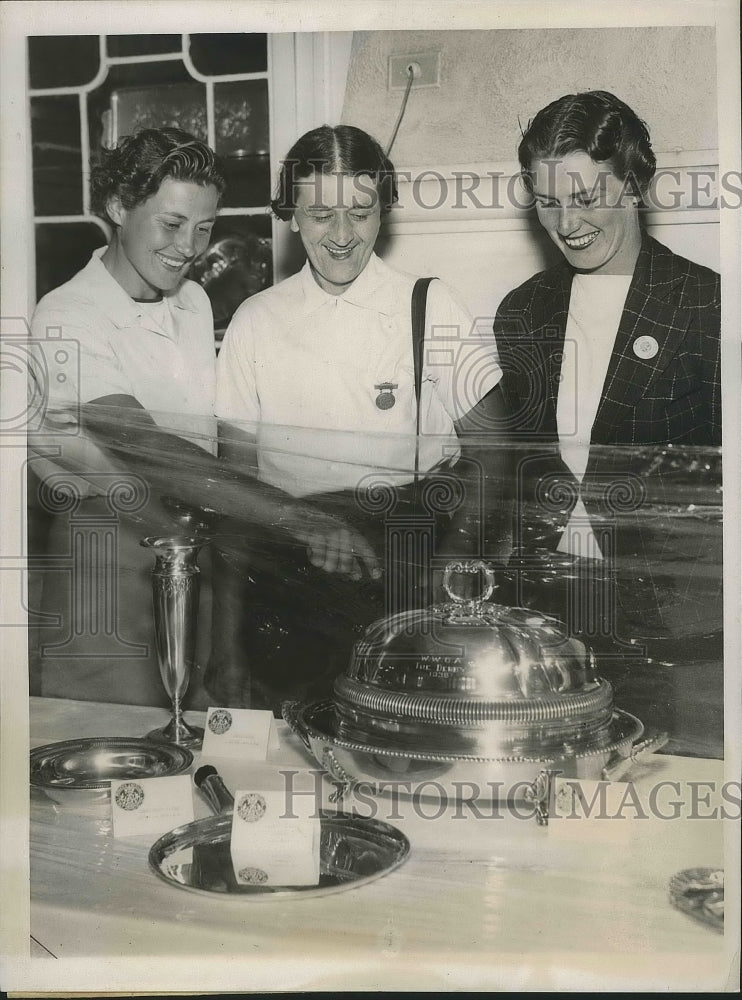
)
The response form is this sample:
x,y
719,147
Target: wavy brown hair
x,y
137,166
595,122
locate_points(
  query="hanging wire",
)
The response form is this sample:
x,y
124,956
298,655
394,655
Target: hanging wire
x,y
400,116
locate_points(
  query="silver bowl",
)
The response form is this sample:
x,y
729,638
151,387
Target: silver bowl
x,y
81,771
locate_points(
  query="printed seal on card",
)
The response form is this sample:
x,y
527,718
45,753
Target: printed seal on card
x,y
129,796
252,876
220,721
251,807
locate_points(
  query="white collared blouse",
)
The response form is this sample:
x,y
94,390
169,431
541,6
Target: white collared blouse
x,y
97,341
301,369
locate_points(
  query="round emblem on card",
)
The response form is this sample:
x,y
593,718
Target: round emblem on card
x,y
251,807
220,721
129,796
253,876
646,347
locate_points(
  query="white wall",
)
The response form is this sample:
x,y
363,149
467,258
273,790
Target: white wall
x,y
469,127
493,79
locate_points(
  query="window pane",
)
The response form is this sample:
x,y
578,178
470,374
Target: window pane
x,y
129,83
180,105
62,249
143,45
217,55
241,137
57,158
67,61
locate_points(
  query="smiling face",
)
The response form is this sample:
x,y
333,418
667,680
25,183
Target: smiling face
x,y
588,212
156,241
338,217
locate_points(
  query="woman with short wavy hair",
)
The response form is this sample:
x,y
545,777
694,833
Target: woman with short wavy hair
x,y
136,368
616,344
623,334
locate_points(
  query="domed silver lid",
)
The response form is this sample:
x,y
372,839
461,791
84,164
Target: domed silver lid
x,y
469,664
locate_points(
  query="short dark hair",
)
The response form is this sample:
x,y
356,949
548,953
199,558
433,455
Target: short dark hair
x,y
594,122
137,166
334,149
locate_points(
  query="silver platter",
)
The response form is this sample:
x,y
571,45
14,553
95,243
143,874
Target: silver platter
x,y
88,766
353,851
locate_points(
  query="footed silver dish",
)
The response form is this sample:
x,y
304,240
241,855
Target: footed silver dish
x,y
470,693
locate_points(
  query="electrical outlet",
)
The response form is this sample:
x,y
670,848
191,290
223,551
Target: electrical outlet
x,y
426,66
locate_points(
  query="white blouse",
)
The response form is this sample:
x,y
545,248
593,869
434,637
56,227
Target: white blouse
x,y
595,307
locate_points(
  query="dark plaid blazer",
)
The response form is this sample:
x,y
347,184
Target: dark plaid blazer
x,y
673,397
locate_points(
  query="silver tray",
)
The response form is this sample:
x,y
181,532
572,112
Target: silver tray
x,y
84,769
353,851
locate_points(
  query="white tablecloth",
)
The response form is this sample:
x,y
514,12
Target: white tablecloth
x,y
482,902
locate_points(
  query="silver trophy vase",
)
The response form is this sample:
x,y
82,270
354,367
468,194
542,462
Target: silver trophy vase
x,y
175,593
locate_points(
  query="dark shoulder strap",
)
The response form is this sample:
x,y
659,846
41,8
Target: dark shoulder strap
x,y
419,297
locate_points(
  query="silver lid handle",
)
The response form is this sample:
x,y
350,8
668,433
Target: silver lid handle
x,y
469,567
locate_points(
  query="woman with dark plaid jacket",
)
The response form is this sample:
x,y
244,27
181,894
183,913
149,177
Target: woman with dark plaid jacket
x,y
617,345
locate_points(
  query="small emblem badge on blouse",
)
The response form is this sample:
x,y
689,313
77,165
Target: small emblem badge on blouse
x,y
645,348
386,398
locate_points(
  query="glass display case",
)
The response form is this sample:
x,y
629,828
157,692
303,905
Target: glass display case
x,y
272,625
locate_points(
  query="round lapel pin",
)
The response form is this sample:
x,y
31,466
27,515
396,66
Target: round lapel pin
x,y
645,348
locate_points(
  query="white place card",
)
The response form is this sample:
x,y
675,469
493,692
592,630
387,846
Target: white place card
x,y
594,809
151,806
246,733
275,841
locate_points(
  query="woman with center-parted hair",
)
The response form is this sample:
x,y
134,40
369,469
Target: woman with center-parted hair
x,y
141,327
316,386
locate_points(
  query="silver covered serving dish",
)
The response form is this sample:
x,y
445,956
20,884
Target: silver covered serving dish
x,y
470,691
82,770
